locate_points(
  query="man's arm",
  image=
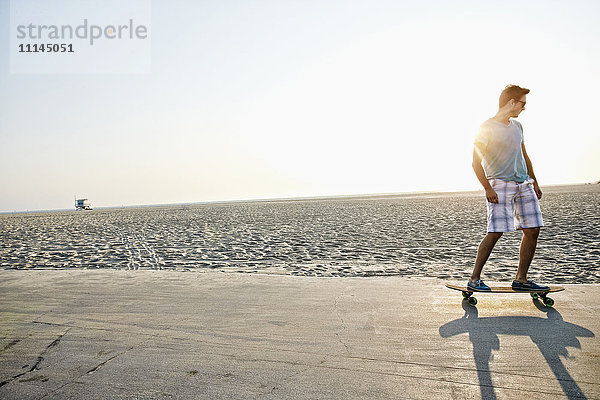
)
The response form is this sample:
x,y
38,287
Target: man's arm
x,y
490,193
536,186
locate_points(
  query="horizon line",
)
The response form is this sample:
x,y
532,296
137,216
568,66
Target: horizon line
x,y
280,199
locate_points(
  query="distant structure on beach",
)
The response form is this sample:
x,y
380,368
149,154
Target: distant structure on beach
x,y
82,204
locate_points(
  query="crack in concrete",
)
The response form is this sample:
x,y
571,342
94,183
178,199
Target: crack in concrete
x,y
72,326
10,344
39,360
91,371
343,325
97,367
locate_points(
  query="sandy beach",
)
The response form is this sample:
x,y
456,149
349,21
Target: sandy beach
x,y
412,235
106,334
323,298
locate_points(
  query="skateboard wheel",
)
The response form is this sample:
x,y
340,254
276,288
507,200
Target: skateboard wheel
x,y
466,295
548,302
472,301
535,296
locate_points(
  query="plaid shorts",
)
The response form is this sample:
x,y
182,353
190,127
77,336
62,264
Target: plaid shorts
x,y
517,208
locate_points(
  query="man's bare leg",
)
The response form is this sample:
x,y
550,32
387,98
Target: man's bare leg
x,y
526,252
483,253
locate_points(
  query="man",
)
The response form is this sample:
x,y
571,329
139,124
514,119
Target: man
x,y
511,189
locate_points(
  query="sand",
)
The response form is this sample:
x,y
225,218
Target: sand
x,y
427,235
339,298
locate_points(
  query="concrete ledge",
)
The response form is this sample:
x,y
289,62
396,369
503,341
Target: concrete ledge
x,y
99,334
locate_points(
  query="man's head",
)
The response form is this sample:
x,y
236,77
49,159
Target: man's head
x,y
512,99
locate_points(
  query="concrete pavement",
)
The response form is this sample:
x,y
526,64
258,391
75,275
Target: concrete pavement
x,y
100,334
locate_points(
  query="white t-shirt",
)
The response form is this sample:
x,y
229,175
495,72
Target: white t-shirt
x,y
500,148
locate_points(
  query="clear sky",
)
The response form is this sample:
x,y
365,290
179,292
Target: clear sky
x,y
263,99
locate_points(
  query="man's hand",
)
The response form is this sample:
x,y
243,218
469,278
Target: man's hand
x,y
537,190
492,196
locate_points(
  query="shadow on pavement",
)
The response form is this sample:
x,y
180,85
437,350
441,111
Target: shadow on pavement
x,y
552,335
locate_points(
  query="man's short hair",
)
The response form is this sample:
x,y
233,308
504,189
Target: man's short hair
x,y
511,92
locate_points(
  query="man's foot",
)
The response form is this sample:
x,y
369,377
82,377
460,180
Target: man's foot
x,y
529,285
478,286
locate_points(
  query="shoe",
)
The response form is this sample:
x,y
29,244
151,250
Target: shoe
x,y
478,286
529,285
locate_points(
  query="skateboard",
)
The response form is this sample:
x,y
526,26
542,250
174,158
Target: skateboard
x,y
536,294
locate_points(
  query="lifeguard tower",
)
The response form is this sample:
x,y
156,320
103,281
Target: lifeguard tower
x,y
82,204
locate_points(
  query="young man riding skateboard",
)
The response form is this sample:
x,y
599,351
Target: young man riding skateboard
x,y
511,189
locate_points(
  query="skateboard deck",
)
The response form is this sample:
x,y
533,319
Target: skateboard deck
x,y
535,294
